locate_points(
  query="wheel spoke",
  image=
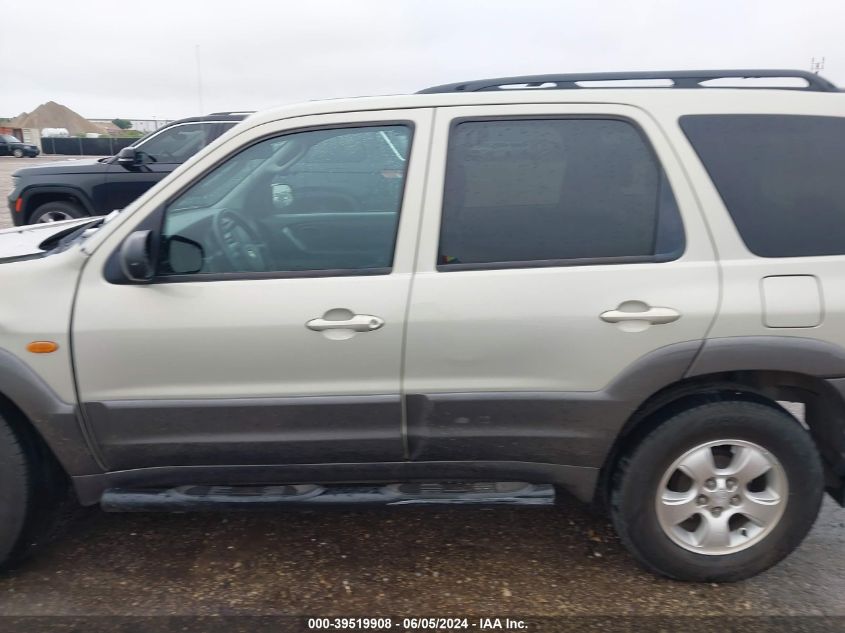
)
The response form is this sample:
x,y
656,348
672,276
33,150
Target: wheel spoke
x,y
747,464
761,507
676,507
699,465
714,531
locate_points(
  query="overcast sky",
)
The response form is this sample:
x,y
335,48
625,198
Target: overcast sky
x,y
138,59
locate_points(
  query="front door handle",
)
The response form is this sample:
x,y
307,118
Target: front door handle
x,y
357,323
653,315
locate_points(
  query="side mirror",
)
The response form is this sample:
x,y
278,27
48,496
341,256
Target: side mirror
x,y
135,259
128,157
184,256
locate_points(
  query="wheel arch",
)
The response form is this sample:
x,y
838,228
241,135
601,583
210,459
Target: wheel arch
x,y
823,414
37,410
34,197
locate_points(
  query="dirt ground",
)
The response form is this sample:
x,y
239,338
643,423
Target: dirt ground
x,y
398,562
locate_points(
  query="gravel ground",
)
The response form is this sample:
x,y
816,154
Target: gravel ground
x,y
560,561
532,562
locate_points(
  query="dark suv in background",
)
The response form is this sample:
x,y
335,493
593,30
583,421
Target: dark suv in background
x,y
75,189
13,146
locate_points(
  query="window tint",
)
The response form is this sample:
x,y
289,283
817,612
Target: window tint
x,y
556,189
176,144
308,201
780,178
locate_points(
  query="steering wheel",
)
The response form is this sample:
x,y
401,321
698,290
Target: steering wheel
x,y
241,245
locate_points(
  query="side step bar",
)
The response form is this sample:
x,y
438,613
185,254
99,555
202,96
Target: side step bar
x,y
209,498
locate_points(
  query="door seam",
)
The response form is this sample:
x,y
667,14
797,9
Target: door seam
x,y
403,401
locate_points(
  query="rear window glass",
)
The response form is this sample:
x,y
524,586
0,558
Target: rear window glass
x,y
780,177
546,191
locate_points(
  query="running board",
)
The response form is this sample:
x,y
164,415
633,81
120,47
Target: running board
x,y
194,498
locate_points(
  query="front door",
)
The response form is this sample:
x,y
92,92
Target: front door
x,y
285,346
560,246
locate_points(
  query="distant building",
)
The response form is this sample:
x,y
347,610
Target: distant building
x,y
141,125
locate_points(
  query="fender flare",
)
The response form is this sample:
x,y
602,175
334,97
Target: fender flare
x,y
34,190
793,354
53,419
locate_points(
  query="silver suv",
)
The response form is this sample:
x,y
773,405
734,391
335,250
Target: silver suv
x,y
486,293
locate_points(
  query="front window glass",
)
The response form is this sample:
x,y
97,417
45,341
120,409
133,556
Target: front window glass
x,y
316,200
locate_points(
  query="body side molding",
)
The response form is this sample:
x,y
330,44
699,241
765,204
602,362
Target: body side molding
x,y
270,430
576,428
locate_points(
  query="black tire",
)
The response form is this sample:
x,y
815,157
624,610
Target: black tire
x,y
17,153
639,475
32,494
69,209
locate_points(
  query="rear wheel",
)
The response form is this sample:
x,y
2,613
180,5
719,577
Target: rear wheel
x,y
56,211
718,492
17,153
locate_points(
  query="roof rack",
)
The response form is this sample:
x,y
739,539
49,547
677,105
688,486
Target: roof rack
x,y
234,112
679,79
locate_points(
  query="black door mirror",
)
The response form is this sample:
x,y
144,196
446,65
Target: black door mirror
x,y
128,157
135,259
184,256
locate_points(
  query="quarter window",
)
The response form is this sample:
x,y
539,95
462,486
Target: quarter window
x,y
317,200
554,192
780,178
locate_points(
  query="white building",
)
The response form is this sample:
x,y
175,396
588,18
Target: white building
x,y
141,125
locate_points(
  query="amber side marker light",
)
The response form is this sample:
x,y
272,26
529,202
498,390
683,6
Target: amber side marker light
x,y
42,347
19,204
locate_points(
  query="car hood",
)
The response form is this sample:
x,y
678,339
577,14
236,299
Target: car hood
x,y
87,166
25,242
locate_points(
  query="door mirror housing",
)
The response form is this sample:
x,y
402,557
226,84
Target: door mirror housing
x,y
129,157
135,259
184,256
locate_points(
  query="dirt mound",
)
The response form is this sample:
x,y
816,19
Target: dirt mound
x,y
52,114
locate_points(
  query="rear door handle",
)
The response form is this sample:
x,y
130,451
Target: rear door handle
x,y
655,316
358,323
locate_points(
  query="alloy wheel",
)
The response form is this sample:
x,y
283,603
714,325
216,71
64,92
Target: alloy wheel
x,y
721,497
54,216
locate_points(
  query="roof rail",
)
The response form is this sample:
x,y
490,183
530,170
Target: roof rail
x,y
234,112
679,79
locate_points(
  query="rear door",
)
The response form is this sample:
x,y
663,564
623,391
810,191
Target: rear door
x,y
560,245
